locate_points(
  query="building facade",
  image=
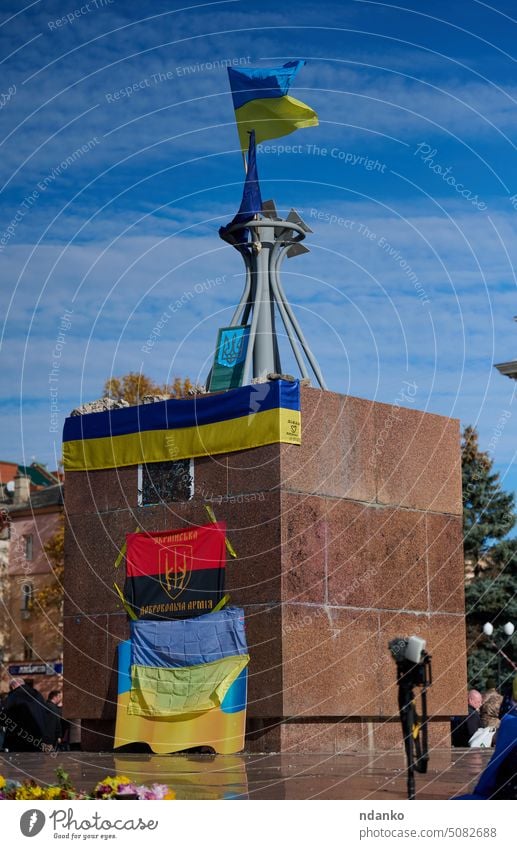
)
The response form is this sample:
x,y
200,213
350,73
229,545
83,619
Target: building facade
x,y
31,607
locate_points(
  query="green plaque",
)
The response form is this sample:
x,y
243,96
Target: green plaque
x,y
230,354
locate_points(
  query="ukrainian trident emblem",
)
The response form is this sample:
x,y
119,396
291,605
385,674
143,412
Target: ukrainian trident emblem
x,y
232,346
175,566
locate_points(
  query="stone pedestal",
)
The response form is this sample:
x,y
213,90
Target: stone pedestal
x,y
344,542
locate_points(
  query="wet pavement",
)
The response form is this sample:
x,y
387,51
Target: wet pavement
x,y
351,775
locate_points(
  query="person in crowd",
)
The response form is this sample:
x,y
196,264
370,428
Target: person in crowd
x,y
53,722
25,717
465,726
489,711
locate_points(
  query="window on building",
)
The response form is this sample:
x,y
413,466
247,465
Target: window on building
x,y
28,546
5,524
27,596
28,647
165,482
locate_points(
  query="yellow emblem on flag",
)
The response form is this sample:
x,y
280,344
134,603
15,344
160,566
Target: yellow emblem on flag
x,y
175,569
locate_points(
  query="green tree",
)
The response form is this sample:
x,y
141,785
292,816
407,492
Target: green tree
x,y
490,561
488,511
491,600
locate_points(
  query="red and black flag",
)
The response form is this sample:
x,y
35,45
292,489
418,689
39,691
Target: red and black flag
x,y
176,574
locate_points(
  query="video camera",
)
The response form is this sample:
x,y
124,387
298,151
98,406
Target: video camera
x,y
413,662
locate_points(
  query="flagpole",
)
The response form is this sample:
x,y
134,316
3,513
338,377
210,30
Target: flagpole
x,y
262,238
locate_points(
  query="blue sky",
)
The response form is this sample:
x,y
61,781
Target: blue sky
x,y
418,120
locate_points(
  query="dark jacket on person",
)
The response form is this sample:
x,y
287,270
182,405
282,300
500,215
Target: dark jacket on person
x,y
25,722
464,727
53,729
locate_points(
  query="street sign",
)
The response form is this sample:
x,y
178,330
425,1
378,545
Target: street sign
x,y
35,669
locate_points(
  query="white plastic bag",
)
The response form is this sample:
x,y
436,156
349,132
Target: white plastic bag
x,y
482,738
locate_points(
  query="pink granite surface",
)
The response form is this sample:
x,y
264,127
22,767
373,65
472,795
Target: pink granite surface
x,y
343,543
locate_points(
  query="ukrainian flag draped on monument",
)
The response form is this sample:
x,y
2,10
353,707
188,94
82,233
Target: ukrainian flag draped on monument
x,y
261,102
187,666
241,418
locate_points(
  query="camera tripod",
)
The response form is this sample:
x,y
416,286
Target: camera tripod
x,y
414,727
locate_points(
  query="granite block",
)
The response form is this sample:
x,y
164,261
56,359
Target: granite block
x,y
440,736
86,666
417,460
117,631
387,735
446,565
302,737
305,535
353,735
330,658
256,470
101,490
92,545
177,514
97,735
377,557
358,473
265,682
262,735
254,529
311,466
337,438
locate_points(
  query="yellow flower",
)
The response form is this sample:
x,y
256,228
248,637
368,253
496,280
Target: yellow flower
x,y
115,780
170,795
112,781
30,791
22,792
3,782
52,792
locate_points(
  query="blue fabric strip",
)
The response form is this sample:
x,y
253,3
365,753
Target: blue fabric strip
x,y
124,667
188,642
236,697
168,415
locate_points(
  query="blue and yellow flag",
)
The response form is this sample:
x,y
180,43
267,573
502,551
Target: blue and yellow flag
x,y
222,727
186,666
261,102
241,418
